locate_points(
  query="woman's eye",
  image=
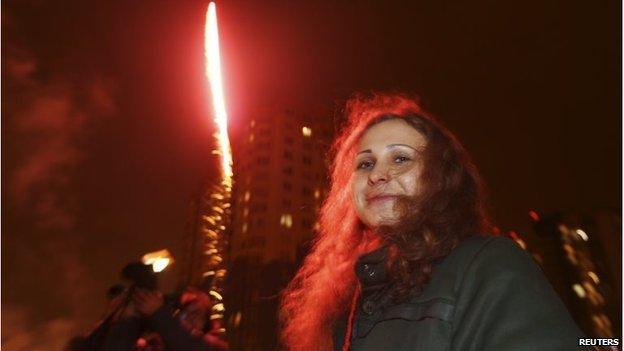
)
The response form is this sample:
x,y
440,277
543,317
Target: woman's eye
x,y
365,165
401,159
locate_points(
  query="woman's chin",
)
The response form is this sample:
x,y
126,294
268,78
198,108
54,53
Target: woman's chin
x,y
383,221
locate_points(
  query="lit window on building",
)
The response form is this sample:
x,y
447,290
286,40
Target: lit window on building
x,y
247,196
286,220
594,277
244,228
306,131
521,242
603,322
317,193
595,298
578,289
582,234
570,253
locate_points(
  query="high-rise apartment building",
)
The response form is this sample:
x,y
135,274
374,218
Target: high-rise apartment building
x,y
580,256
281,179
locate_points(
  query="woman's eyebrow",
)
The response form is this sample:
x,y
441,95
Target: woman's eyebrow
x,y
387,146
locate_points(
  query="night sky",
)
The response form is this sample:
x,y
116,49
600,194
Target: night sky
x,y
107,133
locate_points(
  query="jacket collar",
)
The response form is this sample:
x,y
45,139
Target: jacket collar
x,y
370,268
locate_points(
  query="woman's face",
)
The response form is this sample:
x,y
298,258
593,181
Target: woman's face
x,y
387,164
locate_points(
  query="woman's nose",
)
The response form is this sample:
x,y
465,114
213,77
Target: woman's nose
x,y
378,174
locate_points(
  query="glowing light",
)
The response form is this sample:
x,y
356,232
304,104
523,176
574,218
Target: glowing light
x,y
594,296
247,196
317,194
216,295
158,259
209,219
306,131
578,289
209,273
244,228
594,277
286,220
251,137
216,316
246,212
582,234
213,72
218,307
237,319
160,265
534,216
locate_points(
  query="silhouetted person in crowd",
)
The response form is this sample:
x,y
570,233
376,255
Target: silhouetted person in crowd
x,y
148,323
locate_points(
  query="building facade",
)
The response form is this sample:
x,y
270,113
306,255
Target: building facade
x,y
580,255
281,179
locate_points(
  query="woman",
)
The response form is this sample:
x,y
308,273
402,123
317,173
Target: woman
x,y
403,260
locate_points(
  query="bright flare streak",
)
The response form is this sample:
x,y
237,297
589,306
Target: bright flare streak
x,y
158,259
213,72
160,264
582,234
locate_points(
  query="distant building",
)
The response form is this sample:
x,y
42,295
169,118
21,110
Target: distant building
x,y
281,180
580,255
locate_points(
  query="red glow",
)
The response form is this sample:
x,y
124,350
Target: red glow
x,y
534,216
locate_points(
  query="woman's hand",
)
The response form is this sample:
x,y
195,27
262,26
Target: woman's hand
x,y
147,301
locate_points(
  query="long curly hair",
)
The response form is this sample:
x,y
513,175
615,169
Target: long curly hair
x,y
450,207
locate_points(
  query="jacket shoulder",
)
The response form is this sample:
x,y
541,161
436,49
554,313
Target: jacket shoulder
x,y
505,302
446,275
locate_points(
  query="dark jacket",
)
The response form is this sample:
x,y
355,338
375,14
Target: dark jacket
x,y
487,294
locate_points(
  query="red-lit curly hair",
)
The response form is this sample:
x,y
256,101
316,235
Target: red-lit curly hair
x,y
323,288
